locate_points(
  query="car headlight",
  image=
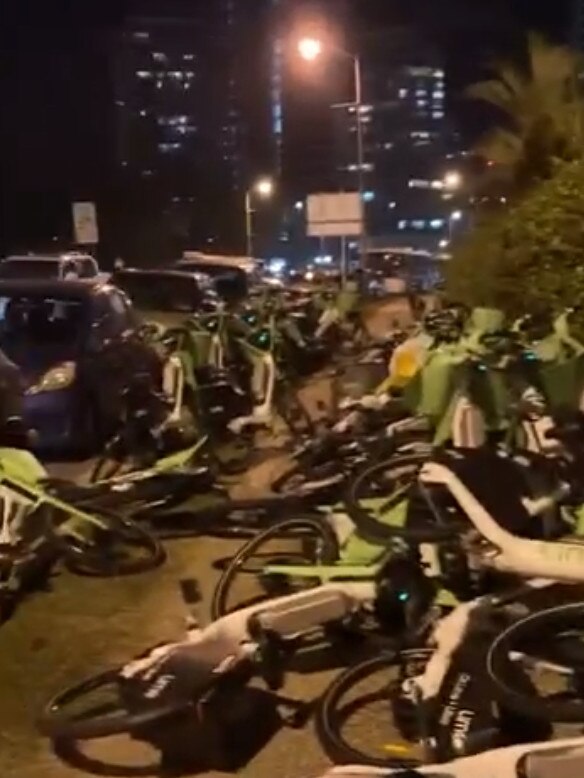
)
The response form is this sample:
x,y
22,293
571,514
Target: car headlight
x,y
59,377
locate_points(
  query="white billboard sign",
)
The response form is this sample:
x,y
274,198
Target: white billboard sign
x,y
334,215
85,223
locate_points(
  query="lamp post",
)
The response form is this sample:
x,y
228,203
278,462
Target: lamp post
x,y
311,49
264,188
454,217
453,180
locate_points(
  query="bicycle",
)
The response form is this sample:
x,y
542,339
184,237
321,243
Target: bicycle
x,y
38,525
563,757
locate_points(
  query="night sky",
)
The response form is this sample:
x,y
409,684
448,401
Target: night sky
x,y
55,130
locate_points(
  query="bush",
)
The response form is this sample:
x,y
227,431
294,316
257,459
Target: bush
x,y
529,258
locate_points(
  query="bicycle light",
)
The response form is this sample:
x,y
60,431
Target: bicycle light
x,y
55,379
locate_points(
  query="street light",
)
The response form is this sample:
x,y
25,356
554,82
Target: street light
x,y
453,180
455,216
310,49
264,188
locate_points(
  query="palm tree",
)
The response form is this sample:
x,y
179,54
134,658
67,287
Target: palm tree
x,y
538,112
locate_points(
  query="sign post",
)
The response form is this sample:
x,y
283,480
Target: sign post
x,y
338,215
85,224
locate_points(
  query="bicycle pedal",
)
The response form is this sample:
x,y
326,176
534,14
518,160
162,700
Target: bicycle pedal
x,y
190,591
294,714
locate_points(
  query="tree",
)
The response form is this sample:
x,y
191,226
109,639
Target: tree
x,y
538,113
530,257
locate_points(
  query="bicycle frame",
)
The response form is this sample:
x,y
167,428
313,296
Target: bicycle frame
x,y
263,383
558,560
28,494
172,462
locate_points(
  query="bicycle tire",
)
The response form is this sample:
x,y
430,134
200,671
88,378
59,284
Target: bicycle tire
x,y
104,469
501,669
373,530
54,724
90,561
328,722
309,475
293,412
330,554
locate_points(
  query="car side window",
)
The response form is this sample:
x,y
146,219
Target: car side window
x,y
87,268
112,316
70,270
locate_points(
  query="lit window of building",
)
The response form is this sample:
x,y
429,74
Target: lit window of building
x,y
421,103
158,56
438,94
144,73
437,114
421,92
141,36
188,57
403,93
436,224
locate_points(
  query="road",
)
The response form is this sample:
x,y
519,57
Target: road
x,y
79,626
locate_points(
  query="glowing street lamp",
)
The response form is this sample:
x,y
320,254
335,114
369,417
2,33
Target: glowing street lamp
x,y
453,180
264,188
310,48
455,216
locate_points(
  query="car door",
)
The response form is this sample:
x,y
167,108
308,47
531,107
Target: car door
x,y
87,267
119,355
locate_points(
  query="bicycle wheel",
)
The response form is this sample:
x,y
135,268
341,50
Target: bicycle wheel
x,y
353,718
117,546
309,480
392,480
292,411
307,540
548,647
106,467
102,715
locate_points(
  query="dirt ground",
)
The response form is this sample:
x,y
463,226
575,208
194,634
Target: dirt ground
x,y
81,626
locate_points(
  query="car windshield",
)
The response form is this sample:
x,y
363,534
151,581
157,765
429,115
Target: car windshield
x,y
212,270
43,328
29,268
151,292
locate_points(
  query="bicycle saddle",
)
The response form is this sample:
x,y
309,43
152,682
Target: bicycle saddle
x,y
185,674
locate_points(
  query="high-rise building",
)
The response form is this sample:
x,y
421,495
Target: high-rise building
x,y
178,107
409,174
577,32
193,114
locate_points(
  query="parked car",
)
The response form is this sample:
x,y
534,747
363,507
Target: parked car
x,y
231,282
78,348
162,296
58,266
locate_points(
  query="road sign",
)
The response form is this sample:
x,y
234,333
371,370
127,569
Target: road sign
x,y
335,215
85,223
